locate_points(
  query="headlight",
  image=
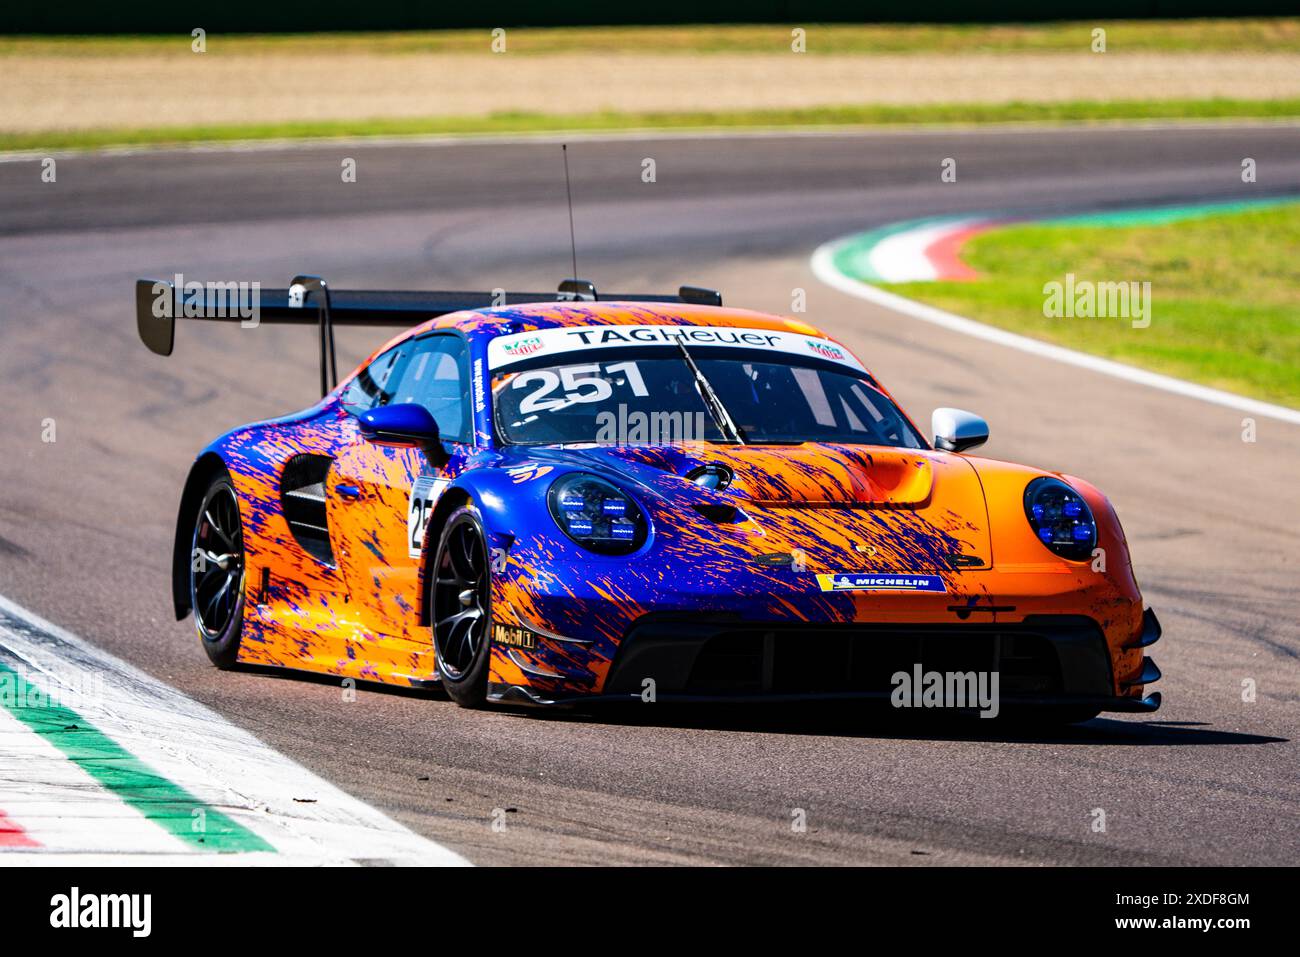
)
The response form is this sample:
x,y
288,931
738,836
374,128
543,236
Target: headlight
x,y
1060,518
597,515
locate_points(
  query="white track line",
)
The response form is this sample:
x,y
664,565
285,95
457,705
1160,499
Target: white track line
x,y
305,818
823,267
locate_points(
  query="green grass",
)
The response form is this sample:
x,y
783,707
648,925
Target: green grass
x,y
502,123
1225,294
1254,35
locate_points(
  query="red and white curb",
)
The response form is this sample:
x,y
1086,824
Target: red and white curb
x,y
71,790
925,251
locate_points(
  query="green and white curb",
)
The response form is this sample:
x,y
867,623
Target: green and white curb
x,y
103,764
853,264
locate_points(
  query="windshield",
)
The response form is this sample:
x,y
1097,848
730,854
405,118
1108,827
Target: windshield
x,y
652,397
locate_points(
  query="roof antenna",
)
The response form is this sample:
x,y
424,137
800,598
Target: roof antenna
x,y
568,188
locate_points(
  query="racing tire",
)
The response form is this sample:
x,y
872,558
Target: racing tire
x,y
217,572
460,608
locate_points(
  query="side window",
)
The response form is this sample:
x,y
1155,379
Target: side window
x,y
367,390
432,375
430,371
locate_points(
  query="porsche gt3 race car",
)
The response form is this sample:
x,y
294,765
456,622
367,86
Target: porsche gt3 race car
x,y
552,499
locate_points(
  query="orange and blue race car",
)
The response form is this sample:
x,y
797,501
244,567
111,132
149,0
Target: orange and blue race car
x,y
555,499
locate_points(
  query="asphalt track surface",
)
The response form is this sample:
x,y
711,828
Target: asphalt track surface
x,y
1213,522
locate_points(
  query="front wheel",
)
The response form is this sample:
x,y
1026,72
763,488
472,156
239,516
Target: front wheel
x,y
217,572
460,608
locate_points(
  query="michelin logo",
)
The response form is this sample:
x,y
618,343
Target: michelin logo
x,y
847,582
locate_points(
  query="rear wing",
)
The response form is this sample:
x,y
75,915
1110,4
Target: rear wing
x,y
310,301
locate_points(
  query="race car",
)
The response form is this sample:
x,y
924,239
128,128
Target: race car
x,y
553,499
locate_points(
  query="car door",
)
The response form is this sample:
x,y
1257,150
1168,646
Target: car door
x,y
381,497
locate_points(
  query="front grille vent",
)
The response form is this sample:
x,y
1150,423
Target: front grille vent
x,y
751,661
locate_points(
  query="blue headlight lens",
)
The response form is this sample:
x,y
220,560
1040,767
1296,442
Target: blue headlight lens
x,y
1060,518
597,514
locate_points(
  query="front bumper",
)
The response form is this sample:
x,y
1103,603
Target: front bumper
x,y
1043,660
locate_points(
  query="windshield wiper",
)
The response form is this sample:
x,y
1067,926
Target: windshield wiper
x,y
721,417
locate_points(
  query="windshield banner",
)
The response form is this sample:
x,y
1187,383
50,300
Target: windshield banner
x,y
506,350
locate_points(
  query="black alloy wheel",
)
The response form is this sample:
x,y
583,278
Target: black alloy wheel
x,y
461,608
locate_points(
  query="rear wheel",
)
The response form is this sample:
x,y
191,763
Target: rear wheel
x,y
460,608
217,572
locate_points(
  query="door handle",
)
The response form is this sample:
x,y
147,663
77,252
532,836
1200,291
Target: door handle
x,y
348,492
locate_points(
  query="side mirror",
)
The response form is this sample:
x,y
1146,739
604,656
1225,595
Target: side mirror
x,y
405,425
956,430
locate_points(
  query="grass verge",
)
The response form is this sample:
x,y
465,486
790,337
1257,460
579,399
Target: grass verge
x,y
1225,294
1280,34
831,116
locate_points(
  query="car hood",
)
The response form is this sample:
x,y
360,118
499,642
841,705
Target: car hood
x,y
908,509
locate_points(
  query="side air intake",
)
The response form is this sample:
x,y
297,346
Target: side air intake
x,y
302,497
